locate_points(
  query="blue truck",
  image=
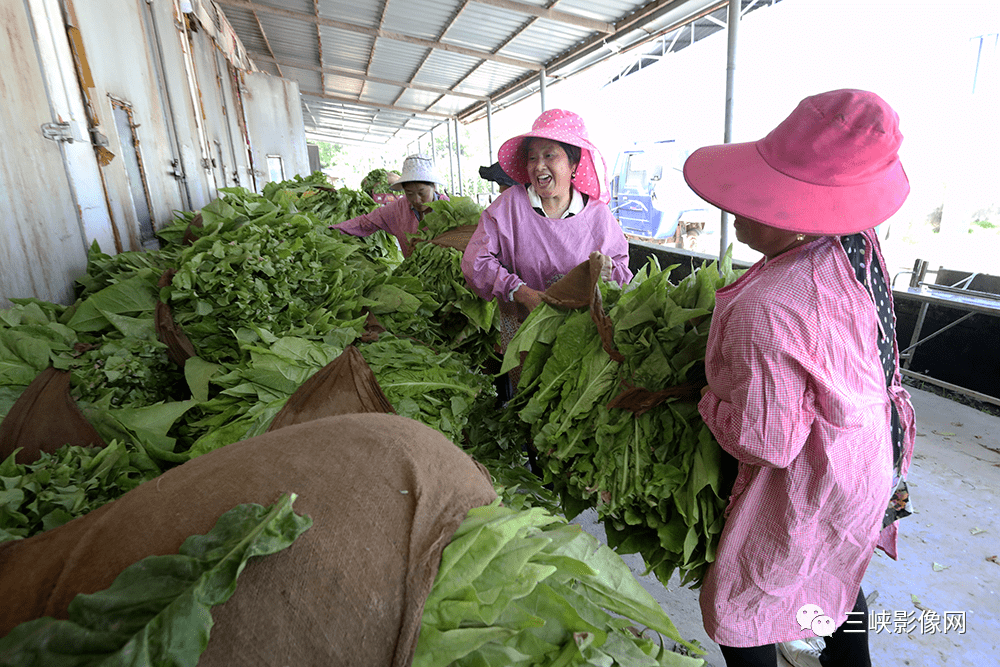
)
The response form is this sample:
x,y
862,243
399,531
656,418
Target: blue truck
x,y
651,200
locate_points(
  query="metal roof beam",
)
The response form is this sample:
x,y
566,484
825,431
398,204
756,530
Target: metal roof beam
x,y
371,52
267,42
377,32
348,100
287,62
319,46
634,22
551,15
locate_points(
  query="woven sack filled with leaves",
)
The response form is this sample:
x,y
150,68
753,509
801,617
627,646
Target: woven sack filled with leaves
x,y
385,495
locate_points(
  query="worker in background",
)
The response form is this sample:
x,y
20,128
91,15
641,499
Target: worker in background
x,y
401,218
496,174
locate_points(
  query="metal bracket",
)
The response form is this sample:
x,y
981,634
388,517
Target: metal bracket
x,y
62,131
176,172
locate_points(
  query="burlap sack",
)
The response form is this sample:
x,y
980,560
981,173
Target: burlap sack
x,y
179,346
44,418
457,237
640,401
580,288
345,386
373,328
385,494
189,234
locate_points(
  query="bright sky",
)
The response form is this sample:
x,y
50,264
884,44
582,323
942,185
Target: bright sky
x,y
919,56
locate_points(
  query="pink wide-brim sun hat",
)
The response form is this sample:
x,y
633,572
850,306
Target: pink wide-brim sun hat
x,y
832,167
567,127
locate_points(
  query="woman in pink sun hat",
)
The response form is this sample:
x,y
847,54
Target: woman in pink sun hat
x,y
804,387
546,224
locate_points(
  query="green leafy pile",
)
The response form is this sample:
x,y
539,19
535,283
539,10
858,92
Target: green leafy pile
x,y
68,483
526,588
657,477
439,390
158,611
313,194
377,181
267,293
453,316
265,266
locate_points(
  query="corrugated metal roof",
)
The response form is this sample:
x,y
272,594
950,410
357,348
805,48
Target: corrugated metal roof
x,y
380,70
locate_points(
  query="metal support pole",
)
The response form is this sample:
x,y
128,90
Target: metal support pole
x,y
451,171
541,87
489,138
458,160
733,28
434,158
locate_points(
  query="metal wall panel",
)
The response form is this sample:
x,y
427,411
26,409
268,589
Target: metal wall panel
x,y
67,103
221,130
41,246
275,125
124,62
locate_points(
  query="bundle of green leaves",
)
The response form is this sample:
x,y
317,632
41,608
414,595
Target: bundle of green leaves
x,y
438,389
460,320
657,479
526,588
277,269
377,181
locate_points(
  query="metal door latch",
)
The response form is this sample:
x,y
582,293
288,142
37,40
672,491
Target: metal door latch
x,y
62,131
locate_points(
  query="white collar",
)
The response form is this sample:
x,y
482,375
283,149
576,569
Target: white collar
x,y
575,202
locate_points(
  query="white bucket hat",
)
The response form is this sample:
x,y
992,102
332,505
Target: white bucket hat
x,y
417,167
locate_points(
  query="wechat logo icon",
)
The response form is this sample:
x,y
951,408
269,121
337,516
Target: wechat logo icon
x,y
811,617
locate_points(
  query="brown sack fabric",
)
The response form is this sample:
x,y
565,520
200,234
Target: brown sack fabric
x,y
580,288
457,238
179,346
385,494
640,401
189,235
373,329
44,418
344,386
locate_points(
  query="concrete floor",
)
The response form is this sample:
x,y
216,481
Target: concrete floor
x,y
948,552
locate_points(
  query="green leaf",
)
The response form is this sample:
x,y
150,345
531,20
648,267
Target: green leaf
x,y
129,296
157,611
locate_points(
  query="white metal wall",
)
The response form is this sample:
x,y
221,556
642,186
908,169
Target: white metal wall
x,y
142,85
42,246
274,121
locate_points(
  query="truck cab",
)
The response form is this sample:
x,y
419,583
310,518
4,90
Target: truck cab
x,y
650,198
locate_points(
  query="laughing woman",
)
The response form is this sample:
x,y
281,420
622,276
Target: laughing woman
x,y
546,224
